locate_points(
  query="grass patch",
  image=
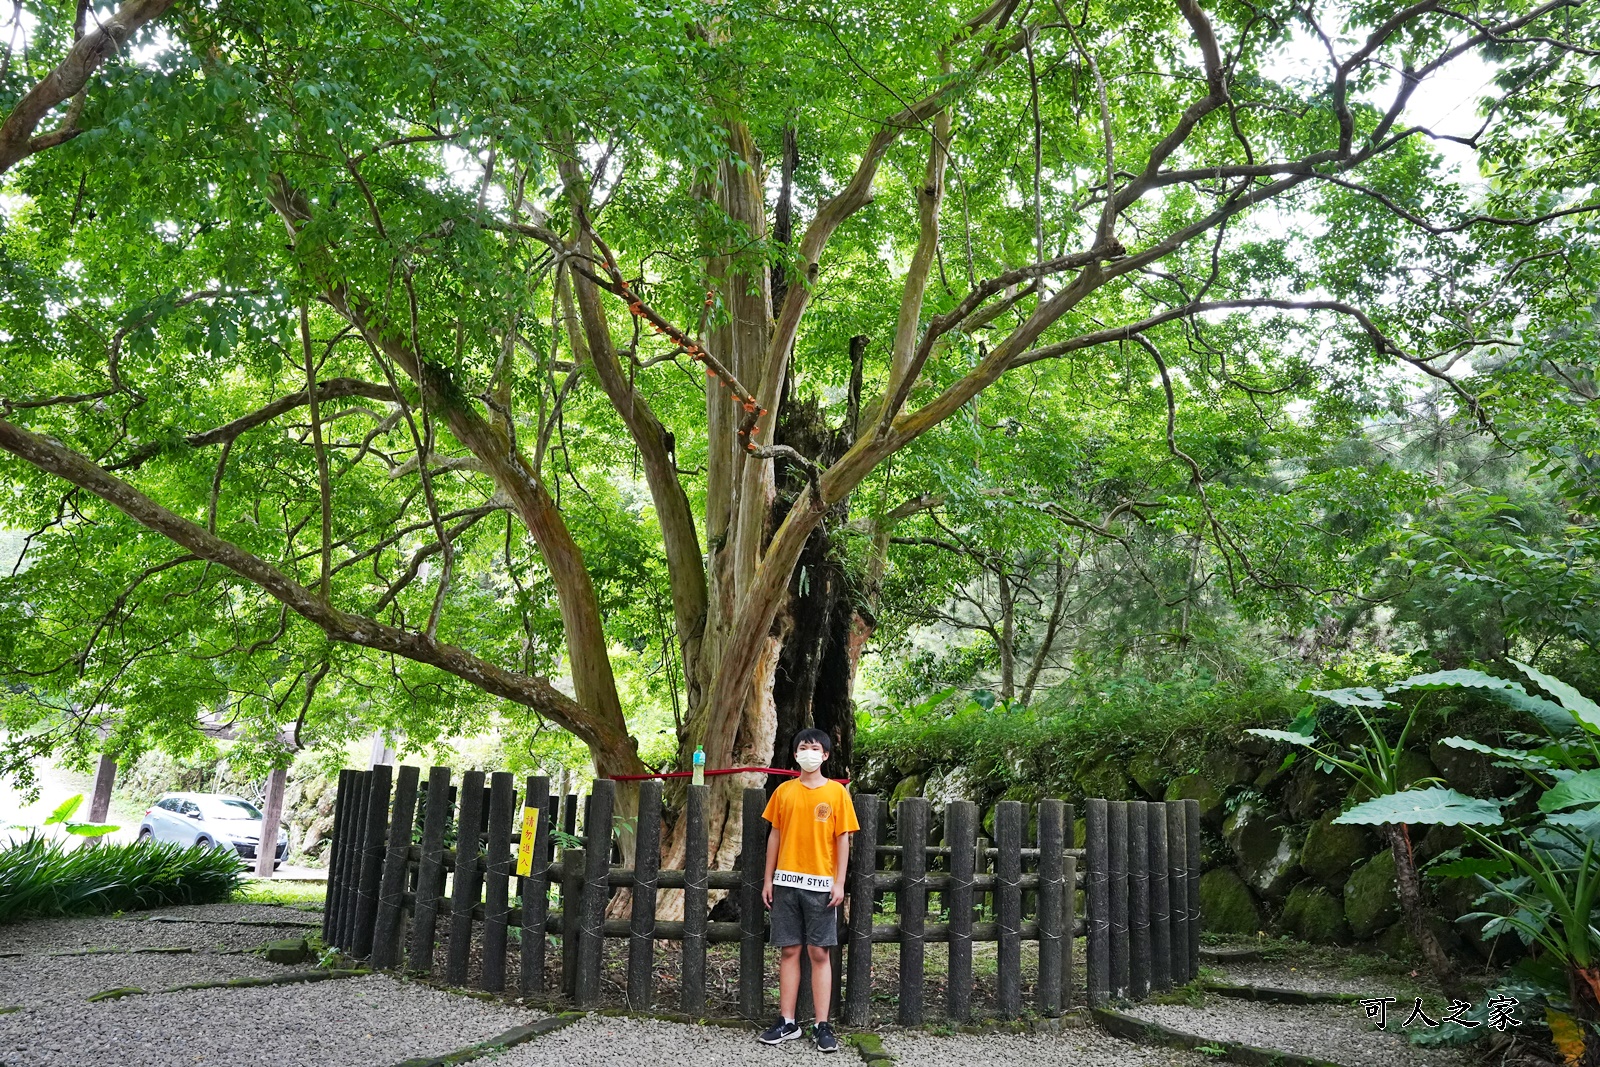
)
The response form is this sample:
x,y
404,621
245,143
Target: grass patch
x,y
285,894
40,877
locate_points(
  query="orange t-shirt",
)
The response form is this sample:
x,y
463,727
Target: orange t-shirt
x,y
809,822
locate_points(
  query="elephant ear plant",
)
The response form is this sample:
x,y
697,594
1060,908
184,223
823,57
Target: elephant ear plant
x,y
1395,803
1547,862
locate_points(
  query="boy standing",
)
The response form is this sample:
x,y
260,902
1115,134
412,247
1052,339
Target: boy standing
x,y
808,853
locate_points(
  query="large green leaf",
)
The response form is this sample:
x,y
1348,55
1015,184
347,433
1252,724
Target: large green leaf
x,y
1362,696
1579,791
1287,736
1586,711
65,810
1462,678
1425,807
1556,719
1519,756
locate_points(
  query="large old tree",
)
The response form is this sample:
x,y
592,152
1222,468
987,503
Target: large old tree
x,y
398,350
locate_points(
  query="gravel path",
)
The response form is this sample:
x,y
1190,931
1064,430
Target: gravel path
x,y
136,931
625,1042
1086,1047
36,981
1340,1033
353,1022
1308,978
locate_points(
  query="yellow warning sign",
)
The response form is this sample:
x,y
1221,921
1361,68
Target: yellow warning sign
x,y
530,831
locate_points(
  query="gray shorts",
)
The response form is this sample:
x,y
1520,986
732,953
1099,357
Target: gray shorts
x,y
802,917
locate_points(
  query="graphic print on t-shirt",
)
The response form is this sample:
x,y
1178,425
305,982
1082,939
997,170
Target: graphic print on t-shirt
x,y
809,822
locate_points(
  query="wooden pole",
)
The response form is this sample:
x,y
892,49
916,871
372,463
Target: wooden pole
x,y
1008,828
646,862
1049,897
332,900
863,862
1178,890
911,831
982,900
354,850
1069,903
692,1000
1097,894
1160,902
1191,827
552,809
535,890
271,817
372,847
105,777
464,885
960,829
1138,900
573,863
1117,879
1069,922
596,890
497,880
430,871
752,918
386,933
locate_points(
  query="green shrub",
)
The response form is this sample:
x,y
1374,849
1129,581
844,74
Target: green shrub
x,y
1071,729
41,877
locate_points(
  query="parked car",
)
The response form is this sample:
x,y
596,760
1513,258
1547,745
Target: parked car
x,y
214,820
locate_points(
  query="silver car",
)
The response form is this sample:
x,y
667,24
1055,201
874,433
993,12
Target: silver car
x,y
211,820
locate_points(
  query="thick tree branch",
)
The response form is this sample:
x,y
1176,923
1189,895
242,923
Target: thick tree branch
x,y
67,80
532,692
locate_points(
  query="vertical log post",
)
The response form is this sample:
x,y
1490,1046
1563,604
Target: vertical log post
x,y
552,811
1097,901
961,827
1160,903
572,865
911,830
752,913
332,895
271,817
983,900
1008,820
497,880
863,863
1117,877
569,818
1138,900
535,890
1191,827
464,884
430,871
646,862
596,890
350,869
1049,897
386,934
1178,890
1069,922
692,1000
1069,903
373,840
105,778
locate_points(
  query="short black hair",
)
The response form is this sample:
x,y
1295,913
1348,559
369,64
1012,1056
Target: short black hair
x,y
812,734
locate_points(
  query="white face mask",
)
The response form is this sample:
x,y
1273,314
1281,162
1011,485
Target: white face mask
x,y
810,759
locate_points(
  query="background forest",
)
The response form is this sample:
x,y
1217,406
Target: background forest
x,y
576,384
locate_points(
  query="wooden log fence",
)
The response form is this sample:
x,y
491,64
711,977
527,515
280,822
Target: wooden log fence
x,y
397,887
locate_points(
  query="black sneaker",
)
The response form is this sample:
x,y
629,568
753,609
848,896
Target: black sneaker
x,y
781,1031
826,1040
